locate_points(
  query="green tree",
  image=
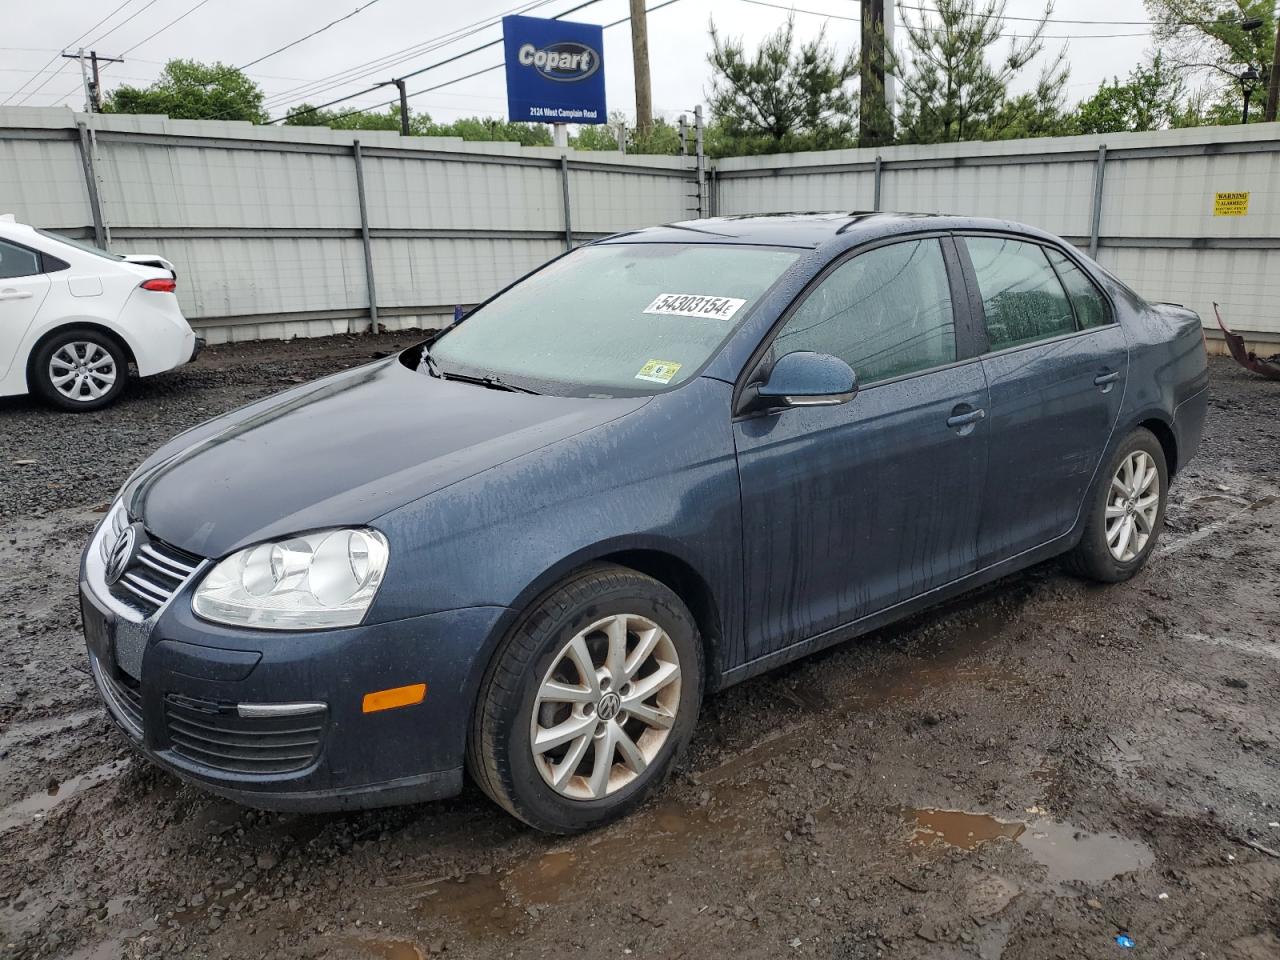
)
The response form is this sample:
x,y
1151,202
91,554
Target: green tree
x,y
953,89
1150,99
421,125
784,97
1207,39
304,115
189,90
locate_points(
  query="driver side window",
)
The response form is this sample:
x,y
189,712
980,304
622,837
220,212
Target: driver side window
x,y
886,313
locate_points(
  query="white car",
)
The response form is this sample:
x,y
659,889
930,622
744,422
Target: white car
x,y
73,317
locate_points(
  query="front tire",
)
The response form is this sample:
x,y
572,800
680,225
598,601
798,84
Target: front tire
x,y
1125,511
588,702
79,370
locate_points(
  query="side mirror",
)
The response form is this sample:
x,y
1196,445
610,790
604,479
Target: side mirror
x,y
802,379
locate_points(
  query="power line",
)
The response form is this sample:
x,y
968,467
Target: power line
x,y
379,64
1087,23
152,36
476,73
333,23
136,13
1082,23
1006,36
59,54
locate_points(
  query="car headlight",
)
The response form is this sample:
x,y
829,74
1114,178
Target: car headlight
x,y
311,581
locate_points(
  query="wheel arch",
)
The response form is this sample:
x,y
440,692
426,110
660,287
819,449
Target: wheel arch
x,y
1163,431
653,557
71,325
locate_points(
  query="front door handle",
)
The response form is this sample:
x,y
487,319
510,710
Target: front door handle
x,y
12,294
1103,379
964,419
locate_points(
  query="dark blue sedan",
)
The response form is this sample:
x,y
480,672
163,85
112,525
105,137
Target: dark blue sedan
x,y
658,465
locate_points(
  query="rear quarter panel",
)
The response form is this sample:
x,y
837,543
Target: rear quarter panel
x,y
1168,369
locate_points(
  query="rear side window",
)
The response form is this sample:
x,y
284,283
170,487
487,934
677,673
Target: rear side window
x,y
1091,309
1021,296
17,261
886,313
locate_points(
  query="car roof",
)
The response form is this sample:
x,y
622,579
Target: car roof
x,y
810,230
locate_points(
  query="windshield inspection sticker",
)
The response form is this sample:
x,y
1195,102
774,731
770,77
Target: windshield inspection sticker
x,y
693,305
658,371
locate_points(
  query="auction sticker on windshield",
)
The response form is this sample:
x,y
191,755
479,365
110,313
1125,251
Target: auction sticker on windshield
x,y
695,305
658,371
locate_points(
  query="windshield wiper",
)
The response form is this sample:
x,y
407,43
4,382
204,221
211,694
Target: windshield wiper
x,y
492,382
428,361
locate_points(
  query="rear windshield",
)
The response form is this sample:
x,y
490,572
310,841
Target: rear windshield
x,y
615,319
79,245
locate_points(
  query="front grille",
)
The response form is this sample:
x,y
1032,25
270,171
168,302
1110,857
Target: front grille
x,y
123,698
156,573
214,735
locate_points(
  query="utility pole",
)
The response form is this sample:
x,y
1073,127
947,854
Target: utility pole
x,y
89,77
1273,83
873,112
640,57
404,108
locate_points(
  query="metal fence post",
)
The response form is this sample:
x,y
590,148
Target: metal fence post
x,y
1098,173
364,237
564,190
879,171
91,181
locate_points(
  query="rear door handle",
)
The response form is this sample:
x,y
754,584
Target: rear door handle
x,y
12,294
1104,378
963,419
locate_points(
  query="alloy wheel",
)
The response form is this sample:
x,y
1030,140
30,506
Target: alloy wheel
x,y
605,707
82,371
1133,503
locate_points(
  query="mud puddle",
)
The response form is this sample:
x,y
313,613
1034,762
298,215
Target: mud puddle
x,y
38,805
1069,855
501,902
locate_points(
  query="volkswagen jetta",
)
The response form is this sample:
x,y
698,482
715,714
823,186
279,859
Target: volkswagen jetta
x,y
656,466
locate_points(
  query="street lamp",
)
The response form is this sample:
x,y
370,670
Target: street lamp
x,y
1248,81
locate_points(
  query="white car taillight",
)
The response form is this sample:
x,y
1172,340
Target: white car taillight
x,y
160,285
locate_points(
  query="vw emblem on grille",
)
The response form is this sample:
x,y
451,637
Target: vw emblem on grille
x,y
122,554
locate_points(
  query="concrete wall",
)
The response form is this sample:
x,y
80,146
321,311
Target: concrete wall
x,y
264,223
1153,212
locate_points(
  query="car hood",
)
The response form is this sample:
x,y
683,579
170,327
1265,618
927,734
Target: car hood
x,y
341,451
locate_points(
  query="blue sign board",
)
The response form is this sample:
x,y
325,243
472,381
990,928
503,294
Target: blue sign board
x,y
555,70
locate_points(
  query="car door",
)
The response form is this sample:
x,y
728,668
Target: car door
x,y
23,288
850,509
1055,363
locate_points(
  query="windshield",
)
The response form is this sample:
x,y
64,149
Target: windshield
x,y
615,319
78,244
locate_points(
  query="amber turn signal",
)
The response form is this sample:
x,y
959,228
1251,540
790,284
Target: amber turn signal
x,y
395,697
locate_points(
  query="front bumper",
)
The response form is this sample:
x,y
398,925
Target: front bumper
x,y
181,702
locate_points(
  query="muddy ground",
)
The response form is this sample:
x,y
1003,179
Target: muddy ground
x,y
1112,754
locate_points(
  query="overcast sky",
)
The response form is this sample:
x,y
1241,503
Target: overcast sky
x,y
419,31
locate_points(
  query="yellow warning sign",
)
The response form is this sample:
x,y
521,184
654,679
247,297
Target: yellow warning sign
x,y
1231,204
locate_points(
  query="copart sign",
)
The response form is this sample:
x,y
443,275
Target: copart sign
x,y
555,71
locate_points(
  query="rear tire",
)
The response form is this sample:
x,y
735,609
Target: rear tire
x,y
636,696
79,370
1123,521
